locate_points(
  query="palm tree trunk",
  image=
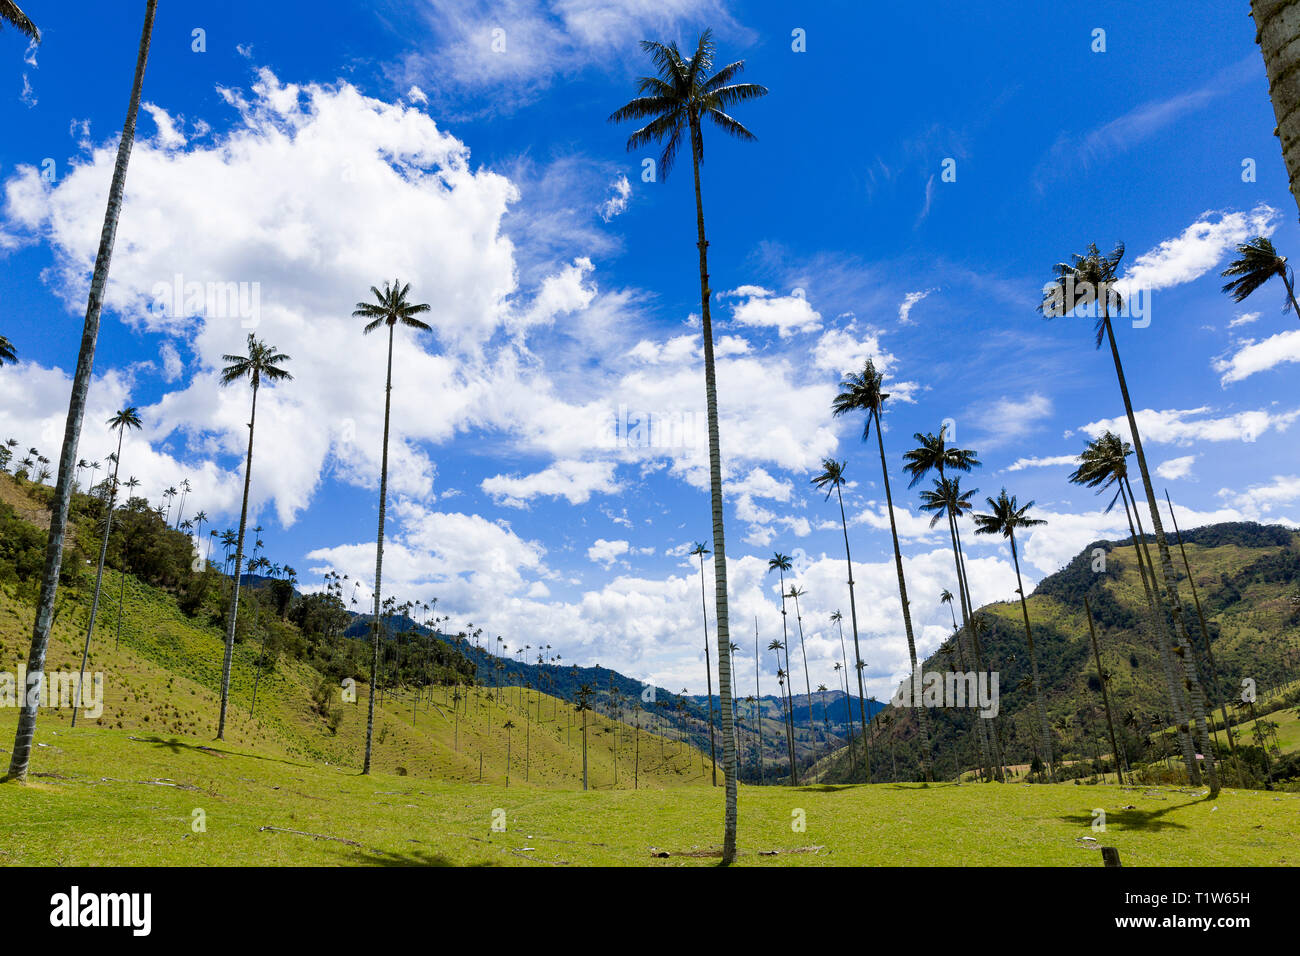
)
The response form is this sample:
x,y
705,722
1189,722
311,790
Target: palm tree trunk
x,y
379,557
708,671
719,545
1156,629
99,572
1277,24
1105,694
26,730
921,719
787,701
237,572
844,656
812,724
1200,614
1043,729
758,703
1194,691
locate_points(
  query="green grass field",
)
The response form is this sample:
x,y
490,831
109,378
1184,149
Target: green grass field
x,y
112,798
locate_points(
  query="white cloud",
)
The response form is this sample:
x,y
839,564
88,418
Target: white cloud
x,y
616,203
1261,499
574,481
761,308
1243,318
1198,249
1176,468
909,301
607,552
1053,461
1179,427
1252,357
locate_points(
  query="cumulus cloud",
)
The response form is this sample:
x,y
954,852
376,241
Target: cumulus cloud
x,y
1252,357
1176,468
1183,426
787,314
617,203
575,481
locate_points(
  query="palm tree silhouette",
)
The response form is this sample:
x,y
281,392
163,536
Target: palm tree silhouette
x,y
675,104
262,362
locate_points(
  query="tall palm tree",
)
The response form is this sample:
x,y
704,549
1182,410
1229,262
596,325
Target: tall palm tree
x,y
1103,677
781,563
832,479
795,594
1005,516
1257,262
10,14
838,620
390,308
583,705
1102,463
674,105
758,694
700,550
125,418
180,510
261,362
862,392
1090,279
779,646
130,484
61,505
1277,24
948,500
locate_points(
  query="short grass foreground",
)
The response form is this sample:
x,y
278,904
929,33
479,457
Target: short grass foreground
x,y
101,797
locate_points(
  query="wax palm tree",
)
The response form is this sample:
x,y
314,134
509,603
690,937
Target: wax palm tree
x,y
1277,24
62,502
199,520
1104,463
390,308
832,479
180,510
1089,279
508,726
262,361
795,594
862,392
700,550
674,106
121,421
11,15
583,705
781,563
130,484
778,647
1257,262
1006,515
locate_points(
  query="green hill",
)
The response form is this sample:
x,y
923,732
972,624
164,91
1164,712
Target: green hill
x,y
162,680
1247,577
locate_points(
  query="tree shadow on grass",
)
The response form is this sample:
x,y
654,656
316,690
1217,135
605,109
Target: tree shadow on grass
x,y
362,856
177,746
823,788
1145,820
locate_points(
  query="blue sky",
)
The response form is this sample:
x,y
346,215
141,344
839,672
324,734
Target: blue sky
x,y
309,159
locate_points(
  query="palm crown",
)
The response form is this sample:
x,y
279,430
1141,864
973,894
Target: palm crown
x,y
390,307
934,453
832,476
861,392
262,361
1081,281
1005,517
947,497
1258,262
682,95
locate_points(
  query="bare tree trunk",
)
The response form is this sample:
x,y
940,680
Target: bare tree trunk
x,y
238,572
379,557
62,504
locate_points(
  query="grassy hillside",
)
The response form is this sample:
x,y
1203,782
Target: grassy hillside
x,y
1246,578
163,678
